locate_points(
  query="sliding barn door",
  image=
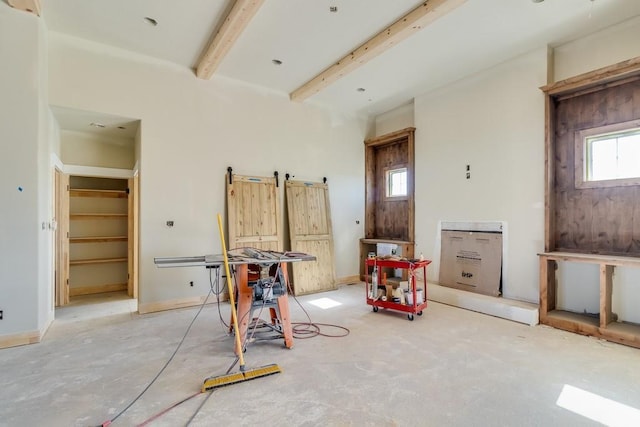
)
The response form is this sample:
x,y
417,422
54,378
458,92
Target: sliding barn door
x,y
253,213
310,231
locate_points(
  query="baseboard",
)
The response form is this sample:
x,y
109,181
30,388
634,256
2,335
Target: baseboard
x,y
100,289
23,338
516,311
152,307
348,280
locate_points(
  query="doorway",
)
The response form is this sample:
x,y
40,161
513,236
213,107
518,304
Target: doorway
x,y
96,207
96,239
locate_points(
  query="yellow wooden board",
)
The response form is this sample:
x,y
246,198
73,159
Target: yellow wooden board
x,y
310,231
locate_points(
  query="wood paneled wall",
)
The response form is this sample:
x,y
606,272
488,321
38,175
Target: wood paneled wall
x,y
389,218
392,215
592,220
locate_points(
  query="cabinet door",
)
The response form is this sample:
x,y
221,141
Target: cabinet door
x,y
253,213
311,232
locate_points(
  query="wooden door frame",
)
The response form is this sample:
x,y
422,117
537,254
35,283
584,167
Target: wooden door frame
x,y
133,235
61,254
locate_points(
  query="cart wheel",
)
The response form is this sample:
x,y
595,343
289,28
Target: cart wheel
x,y
410,316
419,313
375,309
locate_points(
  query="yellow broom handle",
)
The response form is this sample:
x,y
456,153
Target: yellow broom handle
x,y
234,315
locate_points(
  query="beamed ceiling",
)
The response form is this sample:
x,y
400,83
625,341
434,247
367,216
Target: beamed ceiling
x,y
326,51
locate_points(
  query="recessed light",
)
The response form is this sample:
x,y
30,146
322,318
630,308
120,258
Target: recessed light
x,y
361,89
537,1
97,125
122,127
333,9
276,62
151,21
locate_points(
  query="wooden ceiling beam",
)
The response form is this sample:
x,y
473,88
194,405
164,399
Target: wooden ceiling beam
x,y
32,6
234,24
411,23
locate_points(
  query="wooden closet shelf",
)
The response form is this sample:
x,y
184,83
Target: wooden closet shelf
x,y
99,289
97,261
97,215
81,192
98,239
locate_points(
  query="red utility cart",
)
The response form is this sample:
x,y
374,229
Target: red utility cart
x,y
411,267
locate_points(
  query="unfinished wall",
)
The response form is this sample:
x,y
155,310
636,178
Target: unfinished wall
x,y
494,122
25,237
191,131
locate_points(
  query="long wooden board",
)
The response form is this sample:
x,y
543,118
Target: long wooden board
x,y
253,213
311,232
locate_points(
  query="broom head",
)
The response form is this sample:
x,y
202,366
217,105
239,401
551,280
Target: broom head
x,y
223,380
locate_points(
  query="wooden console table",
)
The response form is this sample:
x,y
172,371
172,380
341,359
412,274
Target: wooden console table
x,y
602,326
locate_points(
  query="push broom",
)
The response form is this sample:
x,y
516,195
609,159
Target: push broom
x,y
244,374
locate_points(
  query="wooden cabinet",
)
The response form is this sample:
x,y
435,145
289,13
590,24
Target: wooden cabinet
x,y
602,326
367,246
98,235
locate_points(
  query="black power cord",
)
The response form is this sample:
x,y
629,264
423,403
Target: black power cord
x,y
108,422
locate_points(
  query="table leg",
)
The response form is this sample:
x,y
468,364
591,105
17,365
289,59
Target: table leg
x,y
245,301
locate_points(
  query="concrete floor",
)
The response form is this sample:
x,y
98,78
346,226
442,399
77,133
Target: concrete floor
x,y
449,367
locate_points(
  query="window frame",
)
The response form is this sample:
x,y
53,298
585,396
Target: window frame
x,y
387,183
581,136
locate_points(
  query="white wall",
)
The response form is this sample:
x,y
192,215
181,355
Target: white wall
x,y
494,122
191,131
87,149
394,120
25,180
607,47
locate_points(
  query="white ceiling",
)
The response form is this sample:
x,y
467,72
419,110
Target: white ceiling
x,y
308,38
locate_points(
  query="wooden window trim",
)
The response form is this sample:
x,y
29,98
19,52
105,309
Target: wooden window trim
x,y
386,177
580,149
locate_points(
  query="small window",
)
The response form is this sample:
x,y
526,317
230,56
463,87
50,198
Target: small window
x,y
397,182
608,156
613,156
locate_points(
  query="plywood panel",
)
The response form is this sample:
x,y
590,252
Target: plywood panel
x,y
253,213
311,232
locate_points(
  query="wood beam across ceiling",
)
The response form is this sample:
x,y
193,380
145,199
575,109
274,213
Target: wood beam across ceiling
x,y
234,24
423,15
32,6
